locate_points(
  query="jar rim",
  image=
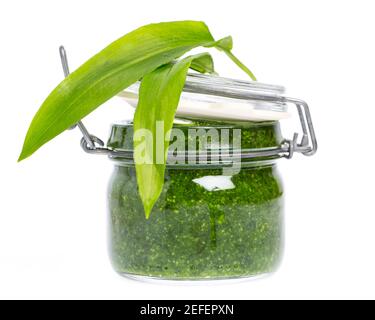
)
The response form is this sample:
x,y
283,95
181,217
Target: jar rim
x,y
258,141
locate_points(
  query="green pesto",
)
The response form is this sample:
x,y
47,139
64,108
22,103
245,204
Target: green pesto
x,y
194,233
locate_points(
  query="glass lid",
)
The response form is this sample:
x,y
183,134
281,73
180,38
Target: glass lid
x,y
251,105
212,97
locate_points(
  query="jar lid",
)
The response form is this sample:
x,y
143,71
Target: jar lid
x,y
268,99
216,98
224,101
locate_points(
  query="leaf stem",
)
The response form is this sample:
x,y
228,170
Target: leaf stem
x,y
240,64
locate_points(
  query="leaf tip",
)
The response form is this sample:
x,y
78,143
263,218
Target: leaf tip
x,y
25,153
22,156
148,209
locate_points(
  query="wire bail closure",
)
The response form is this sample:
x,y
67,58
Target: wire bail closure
x,y
307,146
88,141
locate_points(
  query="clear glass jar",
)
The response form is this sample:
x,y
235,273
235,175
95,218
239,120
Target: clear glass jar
x,y
222,219
205,225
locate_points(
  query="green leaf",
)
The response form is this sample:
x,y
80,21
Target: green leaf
x,y
240,64
226,45
159,96
203,64
147,53
115,68
223,44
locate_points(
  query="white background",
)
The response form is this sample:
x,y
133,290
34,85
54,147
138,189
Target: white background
x,y
53,216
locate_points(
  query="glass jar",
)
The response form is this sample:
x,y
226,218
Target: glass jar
x,y
206,224
220,218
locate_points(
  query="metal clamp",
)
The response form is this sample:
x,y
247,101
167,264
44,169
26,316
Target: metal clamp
x,y
308,132
307,146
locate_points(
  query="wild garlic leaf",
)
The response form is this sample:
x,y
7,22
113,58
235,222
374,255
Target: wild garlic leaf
x,y
223,44
226,45
159,96
147,53
240,64
103,76
203,64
